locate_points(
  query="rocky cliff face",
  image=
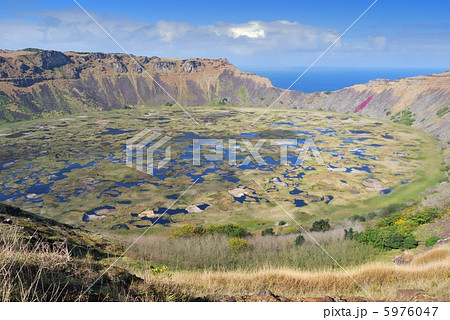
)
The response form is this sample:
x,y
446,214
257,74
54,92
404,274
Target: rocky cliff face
x,y
422,101
39,83
48,82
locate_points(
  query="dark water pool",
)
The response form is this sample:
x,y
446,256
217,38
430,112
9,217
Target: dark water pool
x,y
300,203
115,131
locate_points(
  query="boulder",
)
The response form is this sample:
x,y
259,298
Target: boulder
x,y
193,209
147,214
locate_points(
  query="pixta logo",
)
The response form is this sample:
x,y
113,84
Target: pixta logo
x,y
142,148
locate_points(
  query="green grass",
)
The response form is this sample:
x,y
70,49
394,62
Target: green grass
x,y
422,168
428,174
404,117
243,93
442,111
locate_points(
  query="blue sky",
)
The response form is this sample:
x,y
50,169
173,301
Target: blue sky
x,y
251,34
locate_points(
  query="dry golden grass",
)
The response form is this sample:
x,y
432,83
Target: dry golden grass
x,y
439,254
430,272
22,268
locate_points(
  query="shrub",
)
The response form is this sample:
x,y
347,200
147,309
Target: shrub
x,y
410,242
188,230
390,219
393,240
223,102
371,236
442,111
405,117
267,232
160,271
387,238
32,49
243,94
168,104
425,216
299,240
281,223
126,107
230,229
321,226
237,244
392,208
357,217
431,241
350,234
372,215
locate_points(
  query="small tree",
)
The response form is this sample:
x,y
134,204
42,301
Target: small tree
x,y
223,102
299,240
321,226
267,232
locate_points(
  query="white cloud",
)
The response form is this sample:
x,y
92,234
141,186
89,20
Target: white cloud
x,y
169,31
250,30
257,42
62,28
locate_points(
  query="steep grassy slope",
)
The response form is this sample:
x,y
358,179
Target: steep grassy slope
x,y
43,260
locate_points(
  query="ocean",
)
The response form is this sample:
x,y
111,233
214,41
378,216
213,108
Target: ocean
x,y
323,79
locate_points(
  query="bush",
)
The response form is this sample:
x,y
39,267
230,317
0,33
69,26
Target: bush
x,y
267,232
405,117
390,220
327,92
32,49
410,242
357,217
372,215
223,102
188,230
431,241
393,240
281,223
387,238
425,216
237,244
168,104
230,229
299,240
442,111
320,226
392,208
126,107
350,234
